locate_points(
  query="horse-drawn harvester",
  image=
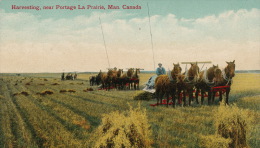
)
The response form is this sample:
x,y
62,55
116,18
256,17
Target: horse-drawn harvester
x,y
194,83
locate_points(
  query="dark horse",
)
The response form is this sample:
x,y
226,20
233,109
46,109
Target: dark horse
x,y
135,78
116,79
166,85
92,80
208,79
69,76
98,78
227,74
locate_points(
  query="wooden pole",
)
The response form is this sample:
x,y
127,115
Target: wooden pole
x,y
204,62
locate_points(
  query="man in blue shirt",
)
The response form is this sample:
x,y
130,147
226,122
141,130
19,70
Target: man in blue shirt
x,y
160,70
150,84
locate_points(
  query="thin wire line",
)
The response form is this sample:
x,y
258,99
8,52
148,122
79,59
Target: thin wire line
x,y
151,36
104,42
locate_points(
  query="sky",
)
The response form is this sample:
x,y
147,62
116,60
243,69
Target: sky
x,y
60,40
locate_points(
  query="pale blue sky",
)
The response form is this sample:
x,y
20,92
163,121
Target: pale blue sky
x,y
187,30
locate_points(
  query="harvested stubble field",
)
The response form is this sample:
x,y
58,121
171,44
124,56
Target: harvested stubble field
x,y
69,119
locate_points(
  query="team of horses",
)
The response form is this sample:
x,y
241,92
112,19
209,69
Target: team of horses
x,y
69,76
117,79
178,85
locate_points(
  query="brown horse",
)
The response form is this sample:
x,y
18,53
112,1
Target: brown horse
x,y
130,72
75,76
227,75
125,78
166,85
106,79
208,79
117,78
135,78
186,83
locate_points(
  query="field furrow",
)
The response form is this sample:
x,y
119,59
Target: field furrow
x,y
20,134
73,122
44,127
70,119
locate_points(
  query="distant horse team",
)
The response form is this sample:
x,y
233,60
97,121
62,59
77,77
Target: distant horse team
x,y
179,85
116,78
69,76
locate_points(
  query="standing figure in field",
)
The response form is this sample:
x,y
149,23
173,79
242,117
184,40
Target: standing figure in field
x,y
167,85
63,76
151,82
75,76
207,79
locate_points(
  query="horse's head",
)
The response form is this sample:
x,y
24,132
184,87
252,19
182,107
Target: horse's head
x,y
110,72
130,72
99,74
137,70
119,72
215,66
194,70
176,69
230,69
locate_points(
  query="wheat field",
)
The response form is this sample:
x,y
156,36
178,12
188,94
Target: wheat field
x,y
34,112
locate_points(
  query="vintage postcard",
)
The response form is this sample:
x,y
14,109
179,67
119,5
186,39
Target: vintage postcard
x,y
129,73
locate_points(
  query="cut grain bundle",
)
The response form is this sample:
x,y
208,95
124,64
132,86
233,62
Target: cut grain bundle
x,y
40,93
24,93
55,84
71,90
143,95
214,141
28,83
88,89
234,123
49,92
45,92
63,91
15,94
233,128
126,129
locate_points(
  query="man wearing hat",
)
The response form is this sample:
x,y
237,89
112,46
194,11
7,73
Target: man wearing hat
x,y
150,84
160,70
